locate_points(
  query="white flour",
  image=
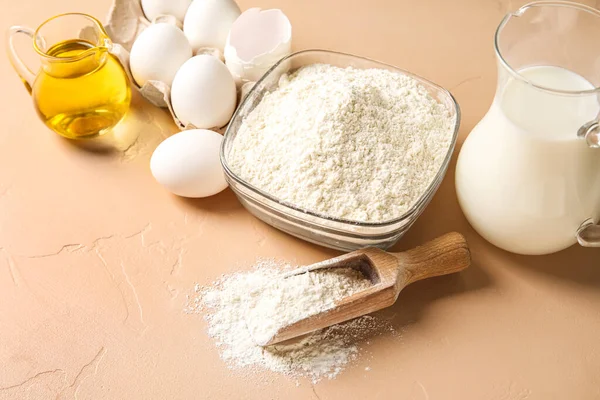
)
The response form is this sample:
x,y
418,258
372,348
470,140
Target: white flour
x,y
355,144
284,301
263,299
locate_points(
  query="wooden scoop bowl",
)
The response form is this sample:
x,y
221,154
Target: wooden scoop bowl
x,y
389,273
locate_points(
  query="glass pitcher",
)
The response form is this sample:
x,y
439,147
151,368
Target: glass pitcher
x,y
528,175
81,90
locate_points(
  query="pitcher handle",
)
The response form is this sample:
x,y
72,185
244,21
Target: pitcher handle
x,y
588,234
26,75
591,133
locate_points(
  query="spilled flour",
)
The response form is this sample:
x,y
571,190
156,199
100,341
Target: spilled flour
x,y
246,306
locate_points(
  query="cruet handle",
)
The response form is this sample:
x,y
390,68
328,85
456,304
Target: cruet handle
x,y
26,75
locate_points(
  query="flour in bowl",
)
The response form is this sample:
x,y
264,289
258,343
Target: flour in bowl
x,y
360,145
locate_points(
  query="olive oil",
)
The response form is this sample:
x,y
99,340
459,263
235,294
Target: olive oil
x,y
82,90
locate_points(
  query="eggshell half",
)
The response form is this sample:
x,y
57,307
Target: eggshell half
x,y
187,163
257,40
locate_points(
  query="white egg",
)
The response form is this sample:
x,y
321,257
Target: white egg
x,y
158,52
257,40
207,22
155,8
187,163
203,92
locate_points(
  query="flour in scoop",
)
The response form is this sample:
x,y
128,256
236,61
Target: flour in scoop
x,y
255,303
285,301
361,145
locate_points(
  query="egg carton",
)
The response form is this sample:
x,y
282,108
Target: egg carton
x,y
126,21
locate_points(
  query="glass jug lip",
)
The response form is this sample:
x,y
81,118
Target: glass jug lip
x,y
79,56
518,13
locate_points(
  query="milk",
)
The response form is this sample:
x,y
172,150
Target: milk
x,y
524,180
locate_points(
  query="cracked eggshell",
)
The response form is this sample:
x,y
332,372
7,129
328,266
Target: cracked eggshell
x,y
155,8
157,53
207,22
256,41
187,163
203,93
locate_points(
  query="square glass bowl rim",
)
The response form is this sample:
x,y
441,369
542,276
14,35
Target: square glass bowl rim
x,y
414,208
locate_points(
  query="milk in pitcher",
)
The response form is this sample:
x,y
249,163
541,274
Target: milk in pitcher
x,y
524,180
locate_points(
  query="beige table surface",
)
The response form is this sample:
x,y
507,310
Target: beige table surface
x,y
96,259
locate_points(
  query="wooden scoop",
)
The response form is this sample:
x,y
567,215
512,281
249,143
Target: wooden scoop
x,y
389,273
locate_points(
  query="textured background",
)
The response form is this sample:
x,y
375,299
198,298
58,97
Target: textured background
x,y
96,259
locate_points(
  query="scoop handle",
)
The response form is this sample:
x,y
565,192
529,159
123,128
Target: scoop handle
x,y
445,255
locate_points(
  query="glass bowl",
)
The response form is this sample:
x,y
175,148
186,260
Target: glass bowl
x,y
323,230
